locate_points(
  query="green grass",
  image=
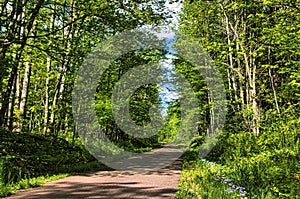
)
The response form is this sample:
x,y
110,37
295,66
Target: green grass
x,y
11,188
27,182
30,160
265,167
199,180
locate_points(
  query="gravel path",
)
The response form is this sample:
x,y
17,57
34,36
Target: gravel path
x,y
111,184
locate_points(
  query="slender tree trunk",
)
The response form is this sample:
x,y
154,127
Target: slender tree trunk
x,y
59,88
254,101
24,94
46,110
17,100
57,95
242,94
231,65
250,67
272,83
10,110
7,94
66,124
48,69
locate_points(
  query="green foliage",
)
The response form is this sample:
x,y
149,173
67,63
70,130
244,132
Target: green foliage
x,y
198,180
172,123
11,188
46,42
264,165
26,156
139,104
268,174
195,79
196,142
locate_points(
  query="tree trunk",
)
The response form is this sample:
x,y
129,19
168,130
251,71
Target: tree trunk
x,y
24,94
10,110
46,110
48,69
57,95
272,83
17,100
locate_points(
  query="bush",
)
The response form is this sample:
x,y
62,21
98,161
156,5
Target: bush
x,y
267,165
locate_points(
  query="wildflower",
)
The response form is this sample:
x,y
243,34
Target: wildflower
x,y
242,194
228,181
241,188
232,186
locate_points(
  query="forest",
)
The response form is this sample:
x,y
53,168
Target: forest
x,y
254,46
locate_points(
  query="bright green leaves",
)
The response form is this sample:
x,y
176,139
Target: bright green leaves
x,y
55,36
140,102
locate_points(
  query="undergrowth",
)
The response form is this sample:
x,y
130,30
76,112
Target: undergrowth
x,y
264,166
29,160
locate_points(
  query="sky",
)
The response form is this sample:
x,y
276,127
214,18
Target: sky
x,y
168,93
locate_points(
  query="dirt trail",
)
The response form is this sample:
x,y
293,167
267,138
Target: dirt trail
x,y
111,184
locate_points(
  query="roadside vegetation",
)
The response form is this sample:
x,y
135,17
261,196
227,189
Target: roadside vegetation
x,y
29,160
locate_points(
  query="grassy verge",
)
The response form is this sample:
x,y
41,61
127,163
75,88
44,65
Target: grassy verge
x,y
199,179
11,188
29,160
244,166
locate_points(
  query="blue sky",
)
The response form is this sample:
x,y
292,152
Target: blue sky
x,y
168,92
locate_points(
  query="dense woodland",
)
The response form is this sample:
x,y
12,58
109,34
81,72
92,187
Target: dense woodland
x,y
254,44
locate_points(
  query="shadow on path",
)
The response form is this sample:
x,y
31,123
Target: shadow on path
x,y
107,183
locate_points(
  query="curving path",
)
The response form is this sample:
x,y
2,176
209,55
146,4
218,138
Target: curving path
x,y
107,183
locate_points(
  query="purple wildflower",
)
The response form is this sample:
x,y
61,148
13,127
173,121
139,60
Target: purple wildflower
x,y
228,181
232,186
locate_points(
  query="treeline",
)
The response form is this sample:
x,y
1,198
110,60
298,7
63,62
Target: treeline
x,y
256,46
42,45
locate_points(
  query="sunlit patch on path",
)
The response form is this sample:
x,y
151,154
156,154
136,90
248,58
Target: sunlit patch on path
x,y
106,183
